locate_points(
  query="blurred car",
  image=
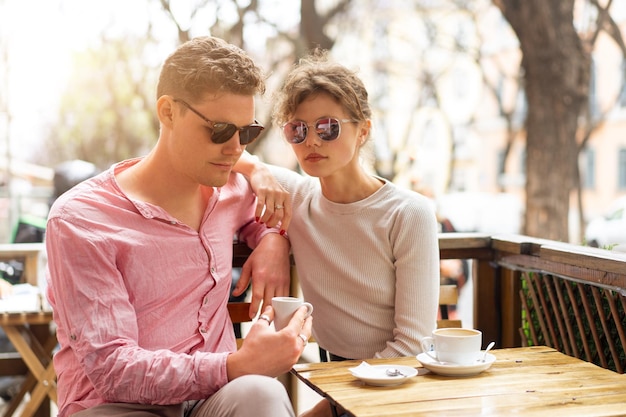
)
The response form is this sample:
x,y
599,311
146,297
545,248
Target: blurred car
x,y
609,231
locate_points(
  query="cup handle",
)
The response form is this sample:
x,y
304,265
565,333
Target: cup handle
x,y
309,308
428,346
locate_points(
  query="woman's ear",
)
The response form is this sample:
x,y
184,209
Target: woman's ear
x,y
364,131
165,110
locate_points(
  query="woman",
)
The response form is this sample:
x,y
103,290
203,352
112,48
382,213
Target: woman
x,y
366,251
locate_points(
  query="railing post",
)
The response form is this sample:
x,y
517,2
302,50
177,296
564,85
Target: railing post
x,y
487,310
511,308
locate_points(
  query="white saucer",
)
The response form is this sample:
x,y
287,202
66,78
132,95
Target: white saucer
x,y
449,369
376,374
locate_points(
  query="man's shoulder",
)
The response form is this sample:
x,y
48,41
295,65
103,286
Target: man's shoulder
x,y
236,184
91,193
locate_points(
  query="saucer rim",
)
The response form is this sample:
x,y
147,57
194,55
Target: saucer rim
x,y
455,370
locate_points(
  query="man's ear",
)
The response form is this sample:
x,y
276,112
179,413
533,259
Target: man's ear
x,y
165,110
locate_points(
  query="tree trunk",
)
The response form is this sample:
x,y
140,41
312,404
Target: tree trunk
x,y
557,86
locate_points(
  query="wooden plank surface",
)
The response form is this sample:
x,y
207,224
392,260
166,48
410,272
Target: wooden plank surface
x,y
42,317
534,381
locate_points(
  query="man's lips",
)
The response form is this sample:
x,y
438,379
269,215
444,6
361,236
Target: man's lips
x,y
223,165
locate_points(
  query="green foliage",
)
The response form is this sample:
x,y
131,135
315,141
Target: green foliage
x,y
610,246
106,113
579,319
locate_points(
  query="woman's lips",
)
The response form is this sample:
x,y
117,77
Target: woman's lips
x,y
314,157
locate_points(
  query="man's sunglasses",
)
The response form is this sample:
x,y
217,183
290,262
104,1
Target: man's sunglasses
x,y
327,129
222,132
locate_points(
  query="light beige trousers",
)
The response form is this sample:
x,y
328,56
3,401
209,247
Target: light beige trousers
x,y
246,396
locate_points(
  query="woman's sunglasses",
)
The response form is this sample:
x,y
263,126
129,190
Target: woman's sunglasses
x,y
327,129
222,132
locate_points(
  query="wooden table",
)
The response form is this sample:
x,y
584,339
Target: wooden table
x,y
534,381
32,336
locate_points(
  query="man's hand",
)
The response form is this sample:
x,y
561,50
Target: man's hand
x,y
268,268
268,352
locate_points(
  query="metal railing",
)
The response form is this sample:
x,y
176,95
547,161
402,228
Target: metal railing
x,y
530,291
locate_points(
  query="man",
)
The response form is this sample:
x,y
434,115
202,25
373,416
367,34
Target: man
x,y
139,262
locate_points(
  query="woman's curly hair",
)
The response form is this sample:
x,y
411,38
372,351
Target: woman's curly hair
x,y
315,74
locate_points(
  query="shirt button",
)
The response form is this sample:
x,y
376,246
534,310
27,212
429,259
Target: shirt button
x,y
172,222
206,300
203,330
212,269
73,336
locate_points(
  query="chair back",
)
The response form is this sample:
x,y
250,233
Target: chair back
x,y
448,296
238,312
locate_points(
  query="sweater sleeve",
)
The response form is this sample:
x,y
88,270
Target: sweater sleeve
x,y
416,251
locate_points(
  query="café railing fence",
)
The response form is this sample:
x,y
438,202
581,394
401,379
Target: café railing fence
x,y
530,291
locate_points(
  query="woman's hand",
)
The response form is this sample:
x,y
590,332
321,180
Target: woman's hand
x,y
273,204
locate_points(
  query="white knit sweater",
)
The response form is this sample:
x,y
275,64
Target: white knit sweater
x,y
370,268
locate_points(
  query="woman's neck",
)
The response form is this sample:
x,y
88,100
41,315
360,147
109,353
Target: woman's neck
x,y
349,189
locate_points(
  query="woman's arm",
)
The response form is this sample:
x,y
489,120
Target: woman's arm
x,y
273,201
417,280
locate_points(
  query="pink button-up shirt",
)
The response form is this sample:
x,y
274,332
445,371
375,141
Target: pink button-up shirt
x,y
140,298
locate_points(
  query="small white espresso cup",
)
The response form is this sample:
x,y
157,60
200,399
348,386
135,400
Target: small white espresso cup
x,y
285,307
454,345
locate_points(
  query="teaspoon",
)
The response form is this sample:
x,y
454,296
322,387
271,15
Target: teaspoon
x,y
489,346
393,372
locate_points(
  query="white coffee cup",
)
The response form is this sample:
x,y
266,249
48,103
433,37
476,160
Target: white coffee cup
x,y
454,345
285,307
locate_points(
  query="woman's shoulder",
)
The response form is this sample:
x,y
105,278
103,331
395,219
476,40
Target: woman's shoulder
x,y
405,196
